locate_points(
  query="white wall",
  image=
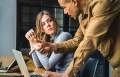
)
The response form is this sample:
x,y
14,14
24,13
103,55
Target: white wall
x,y
7,27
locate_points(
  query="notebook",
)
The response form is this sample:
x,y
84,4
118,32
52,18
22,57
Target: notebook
x,y
22,65
8,69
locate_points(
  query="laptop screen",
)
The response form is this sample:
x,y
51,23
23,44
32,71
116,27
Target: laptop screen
x,y
21,62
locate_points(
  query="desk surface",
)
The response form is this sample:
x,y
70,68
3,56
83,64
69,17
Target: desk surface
x,y
6,60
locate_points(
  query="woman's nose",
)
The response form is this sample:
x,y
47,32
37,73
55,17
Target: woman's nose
x,y
47,24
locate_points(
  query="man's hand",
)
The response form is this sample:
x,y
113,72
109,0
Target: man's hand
x,y
43,47
37,44
54,74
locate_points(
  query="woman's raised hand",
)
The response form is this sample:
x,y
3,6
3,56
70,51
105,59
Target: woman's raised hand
x,y
30,35
37,44
32,38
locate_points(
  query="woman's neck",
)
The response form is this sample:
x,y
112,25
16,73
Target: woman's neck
x,y
54,35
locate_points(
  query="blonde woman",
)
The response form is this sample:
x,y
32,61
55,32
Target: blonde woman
x,y
47,30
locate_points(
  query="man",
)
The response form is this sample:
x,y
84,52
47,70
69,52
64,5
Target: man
x,y
99,30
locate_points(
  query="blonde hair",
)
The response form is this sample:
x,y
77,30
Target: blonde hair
x,y
43,36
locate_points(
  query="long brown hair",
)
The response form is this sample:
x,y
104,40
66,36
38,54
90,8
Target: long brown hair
x,y
41,35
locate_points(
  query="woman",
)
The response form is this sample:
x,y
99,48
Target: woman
x,y
47,30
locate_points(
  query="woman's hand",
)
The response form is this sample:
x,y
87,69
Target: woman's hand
x,y
39,45
31,37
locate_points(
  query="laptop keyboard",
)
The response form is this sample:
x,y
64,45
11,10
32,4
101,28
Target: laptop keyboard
x,y
36,75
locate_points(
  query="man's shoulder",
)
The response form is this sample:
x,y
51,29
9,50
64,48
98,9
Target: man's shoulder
x,y
94,1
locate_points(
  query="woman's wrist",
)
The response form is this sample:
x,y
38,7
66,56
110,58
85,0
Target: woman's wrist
x,y
31,45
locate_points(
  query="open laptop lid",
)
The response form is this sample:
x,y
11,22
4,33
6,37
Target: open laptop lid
x,y
7,69
21,62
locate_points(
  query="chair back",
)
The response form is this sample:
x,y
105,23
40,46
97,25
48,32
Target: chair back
x,y
89,68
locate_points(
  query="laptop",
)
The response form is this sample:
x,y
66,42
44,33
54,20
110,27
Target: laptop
x,y
8,69
22,65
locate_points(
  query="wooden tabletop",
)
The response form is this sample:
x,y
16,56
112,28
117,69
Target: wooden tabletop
x,y
6,60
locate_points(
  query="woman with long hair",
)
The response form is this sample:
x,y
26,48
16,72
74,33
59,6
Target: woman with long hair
x,y
47,30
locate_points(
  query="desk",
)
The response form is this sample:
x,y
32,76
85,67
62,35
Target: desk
x,y
6,60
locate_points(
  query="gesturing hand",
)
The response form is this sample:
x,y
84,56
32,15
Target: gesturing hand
x,y
41,47
31,37
37,44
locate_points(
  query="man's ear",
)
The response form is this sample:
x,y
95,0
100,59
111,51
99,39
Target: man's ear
x,y
75,2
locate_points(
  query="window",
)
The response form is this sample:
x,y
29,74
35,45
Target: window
x,y
27,17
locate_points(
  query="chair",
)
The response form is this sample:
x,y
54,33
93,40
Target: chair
x,y
89,68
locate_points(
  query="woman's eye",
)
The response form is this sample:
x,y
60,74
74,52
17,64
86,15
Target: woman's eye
x,y
43,24
49,20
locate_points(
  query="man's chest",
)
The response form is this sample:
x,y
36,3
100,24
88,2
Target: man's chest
x,y
84,23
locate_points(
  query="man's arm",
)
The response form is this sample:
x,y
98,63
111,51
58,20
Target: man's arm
x,y
104,12
69,45
63,47
49,62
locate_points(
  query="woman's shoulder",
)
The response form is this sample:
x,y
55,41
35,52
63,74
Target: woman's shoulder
x,y
65,34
